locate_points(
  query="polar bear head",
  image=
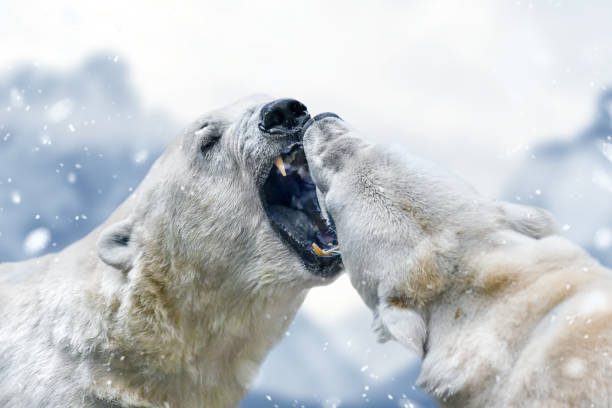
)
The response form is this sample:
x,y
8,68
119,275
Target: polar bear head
x,y
403,223
215,210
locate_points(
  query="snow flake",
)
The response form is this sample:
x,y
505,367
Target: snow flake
x,y
603,238
60,110
574,367
15,197
140,156
602,179
36,241
606,149
16,98
596,302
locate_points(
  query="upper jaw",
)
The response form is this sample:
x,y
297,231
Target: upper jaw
x,y
289,199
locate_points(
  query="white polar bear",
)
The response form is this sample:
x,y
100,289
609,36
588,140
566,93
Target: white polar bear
x,y
177,298
504,312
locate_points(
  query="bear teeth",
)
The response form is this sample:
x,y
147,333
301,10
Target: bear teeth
x,y
320,252
280,165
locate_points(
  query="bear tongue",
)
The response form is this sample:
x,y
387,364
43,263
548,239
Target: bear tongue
x,y
293,222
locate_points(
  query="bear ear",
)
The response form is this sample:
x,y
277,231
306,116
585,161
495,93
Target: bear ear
x,y
404,325
116,246
531,221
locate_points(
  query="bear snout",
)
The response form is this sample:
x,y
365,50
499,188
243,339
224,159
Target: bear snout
x,y
283,116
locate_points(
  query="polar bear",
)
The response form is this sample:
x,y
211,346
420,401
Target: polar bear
x,y
504,312
177,298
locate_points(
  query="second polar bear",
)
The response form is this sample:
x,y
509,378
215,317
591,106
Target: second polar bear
x,y
504,312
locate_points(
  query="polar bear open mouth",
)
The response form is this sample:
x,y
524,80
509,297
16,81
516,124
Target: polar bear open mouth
x,y
291,204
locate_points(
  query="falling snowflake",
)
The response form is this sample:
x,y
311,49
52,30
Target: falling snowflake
x,y
60,110
16,197
603,238
36,241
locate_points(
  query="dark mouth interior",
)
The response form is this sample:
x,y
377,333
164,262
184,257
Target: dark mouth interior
x,y
291,204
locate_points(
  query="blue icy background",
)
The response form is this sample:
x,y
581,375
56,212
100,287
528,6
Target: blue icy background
x,y
73,145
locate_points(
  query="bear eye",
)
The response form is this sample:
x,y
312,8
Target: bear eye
x,y
208,137
207,143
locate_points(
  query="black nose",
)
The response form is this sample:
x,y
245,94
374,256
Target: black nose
x,y
283,116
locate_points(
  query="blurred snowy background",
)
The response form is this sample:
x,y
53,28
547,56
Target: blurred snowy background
x,y
512,95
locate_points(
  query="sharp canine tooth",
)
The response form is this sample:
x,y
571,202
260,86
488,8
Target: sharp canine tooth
x,y
319,252
280,165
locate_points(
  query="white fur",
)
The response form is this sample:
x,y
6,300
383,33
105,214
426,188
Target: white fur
x,y
174,301
505,312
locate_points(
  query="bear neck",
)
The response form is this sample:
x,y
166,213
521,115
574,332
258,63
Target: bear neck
x,y
501,295
191,345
